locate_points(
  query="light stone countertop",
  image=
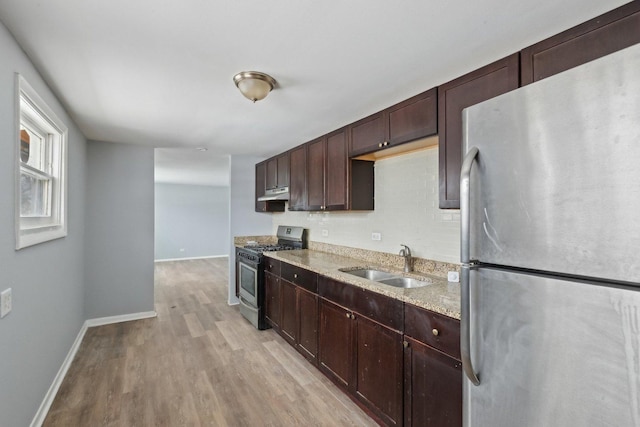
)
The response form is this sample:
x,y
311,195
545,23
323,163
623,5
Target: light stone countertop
x,y
439,296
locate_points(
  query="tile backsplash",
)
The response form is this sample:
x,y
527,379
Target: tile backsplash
x,y
406,212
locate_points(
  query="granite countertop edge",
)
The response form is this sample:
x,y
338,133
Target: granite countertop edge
x,y
440,296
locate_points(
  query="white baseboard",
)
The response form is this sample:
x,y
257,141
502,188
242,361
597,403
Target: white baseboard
x,y
187,259
117,319
43,410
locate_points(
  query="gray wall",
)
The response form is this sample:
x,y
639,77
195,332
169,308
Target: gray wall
x,y
119,230
243,219
191,217
46,279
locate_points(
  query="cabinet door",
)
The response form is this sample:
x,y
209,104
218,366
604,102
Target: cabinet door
x,y
379,370
308,324
260,186
593,39
415,118
336,169
336,358
288,319
283,170
272,299
315,175
367,135
477,86
272,174
298,178
433,387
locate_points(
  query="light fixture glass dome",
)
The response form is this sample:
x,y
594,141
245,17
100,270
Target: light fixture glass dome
x,y
254,85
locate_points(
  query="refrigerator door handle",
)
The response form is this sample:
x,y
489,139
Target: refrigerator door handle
x,y
465,258
465,326
465,212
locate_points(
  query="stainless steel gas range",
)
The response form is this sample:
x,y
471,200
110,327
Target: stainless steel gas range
x,y
250,271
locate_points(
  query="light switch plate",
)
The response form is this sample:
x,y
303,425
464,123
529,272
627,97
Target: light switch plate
x,y
5,302
376,236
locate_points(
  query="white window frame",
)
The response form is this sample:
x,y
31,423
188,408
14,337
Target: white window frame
x,y
32,109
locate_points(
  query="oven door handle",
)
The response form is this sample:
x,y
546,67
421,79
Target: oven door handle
x,y
246,304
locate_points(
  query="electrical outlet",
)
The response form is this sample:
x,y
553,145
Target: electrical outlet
x,y
376,236
325,233
452,276
5,302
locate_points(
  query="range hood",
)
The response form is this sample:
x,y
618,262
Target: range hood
x,y
281,193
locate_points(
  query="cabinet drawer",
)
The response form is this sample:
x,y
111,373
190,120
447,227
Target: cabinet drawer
x,y
272,266
438,331
301,277
378,307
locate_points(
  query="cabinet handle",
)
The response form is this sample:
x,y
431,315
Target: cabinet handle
x,y
348,315
380,145
270,266
435,332
405,344
295,275
353,316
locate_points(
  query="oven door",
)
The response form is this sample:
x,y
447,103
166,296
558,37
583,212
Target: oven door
x,y
248,281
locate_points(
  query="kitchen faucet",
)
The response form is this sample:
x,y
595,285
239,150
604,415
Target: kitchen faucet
x,y
406,253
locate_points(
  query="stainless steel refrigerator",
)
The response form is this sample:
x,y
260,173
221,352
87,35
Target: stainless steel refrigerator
x,y
550,209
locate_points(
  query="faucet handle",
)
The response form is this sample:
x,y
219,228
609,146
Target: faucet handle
x,y
406,251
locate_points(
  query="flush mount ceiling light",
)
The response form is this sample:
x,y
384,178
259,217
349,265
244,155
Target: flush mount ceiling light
x,y
254,85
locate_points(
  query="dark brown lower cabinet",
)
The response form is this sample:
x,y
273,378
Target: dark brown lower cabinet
x,y
307,342
433,387
363,357
379,368
337,350
299,321
400,362
289,321
272,299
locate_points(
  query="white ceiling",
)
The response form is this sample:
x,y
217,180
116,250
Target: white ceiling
x,y
191,167
159,72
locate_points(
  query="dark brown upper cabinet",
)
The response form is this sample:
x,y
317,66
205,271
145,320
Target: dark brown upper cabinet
x,y
333,181
367,135
298,178
278,171
315,174
593,39
404,122
482,84
261,176
328,172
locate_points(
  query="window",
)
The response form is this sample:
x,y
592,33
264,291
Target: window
x,y
41,169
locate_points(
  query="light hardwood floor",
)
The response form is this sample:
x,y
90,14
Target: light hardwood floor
x,y
199,363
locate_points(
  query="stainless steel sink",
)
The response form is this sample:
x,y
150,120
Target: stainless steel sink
x,y
404,282
375,275
387,278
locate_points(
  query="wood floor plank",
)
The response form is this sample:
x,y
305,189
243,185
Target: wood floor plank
x,y
199,363
193,325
